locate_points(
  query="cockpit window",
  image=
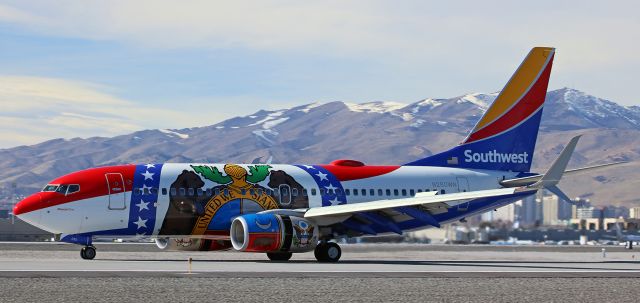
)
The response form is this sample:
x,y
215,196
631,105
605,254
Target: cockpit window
x,y
73,188
62,189
50,187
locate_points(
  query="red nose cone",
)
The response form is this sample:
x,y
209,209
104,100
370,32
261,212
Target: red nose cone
x,y
29,203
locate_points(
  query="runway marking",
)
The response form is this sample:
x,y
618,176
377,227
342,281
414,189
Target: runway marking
x,y
323,271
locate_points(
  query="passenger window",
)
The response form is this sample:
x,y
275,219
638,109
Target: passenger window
x,y
363,192
216,191
372,192
191,191
442,191
380,192
259,191
388,192
208,192
330,191
226,191
347,192
73,188
323,192
252,192
313,191
304,192
355,192
243,191
396,192
173,191
419,190
164,191
338,191
199,192
294,192
404,192
412,192
154,191
145,191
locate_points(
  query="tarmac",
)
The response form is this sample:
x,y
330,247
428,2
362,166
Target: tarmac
x,y
48,272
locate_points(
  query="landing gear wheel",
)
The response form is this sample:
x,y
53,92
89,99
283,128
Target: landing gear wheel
x,y
279,256
88,252
328,252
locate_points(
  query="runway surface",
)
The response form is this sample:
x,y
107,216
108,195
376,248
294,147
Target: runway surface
x,y
385,260
366,273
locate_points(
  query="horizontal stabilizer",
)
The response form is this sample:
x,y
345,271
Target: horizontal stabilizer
x,y
554,174
525,181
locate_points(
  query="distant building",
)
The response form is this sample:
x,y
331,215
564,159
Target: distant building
x,y
565,210
615,212
634,213
505,213
526,211
579,203
588,213
550,207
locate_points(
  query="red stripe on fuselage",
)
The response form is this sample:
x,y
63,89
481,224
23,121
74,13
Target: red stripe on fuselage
x,y
346,173
93,183
529,104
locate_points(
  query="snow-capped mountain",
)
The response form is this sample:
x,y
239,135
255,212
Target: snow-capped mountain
x,y
375,132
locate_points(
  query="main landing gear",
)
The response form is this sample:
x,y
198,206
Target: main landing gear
x,y
88,252
279,256
327,252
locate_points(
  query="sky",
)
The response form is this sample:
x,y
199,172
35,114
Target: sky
x,y
103,68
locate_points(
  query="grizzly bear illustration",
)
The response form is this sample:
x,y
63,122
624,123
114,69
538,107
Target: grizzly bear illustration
x,y
298,200
184,207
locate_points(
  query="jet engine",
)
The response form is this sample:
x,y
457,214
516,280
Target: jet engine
x,y
191,244
273,233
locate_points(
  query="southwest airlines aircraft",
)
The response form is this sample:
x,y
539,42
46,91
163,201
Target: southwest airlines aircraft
x,y
285,209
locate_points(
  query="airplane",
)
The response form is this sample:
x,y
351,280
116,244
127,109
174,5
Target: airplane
x,y
628,239
281,209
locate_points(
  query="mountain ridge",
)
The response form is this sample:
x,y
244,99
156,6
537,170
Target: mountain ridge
x,y
374,132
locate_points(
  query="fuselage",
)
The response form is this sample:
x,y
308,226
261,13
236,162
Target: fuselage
x,y
201,200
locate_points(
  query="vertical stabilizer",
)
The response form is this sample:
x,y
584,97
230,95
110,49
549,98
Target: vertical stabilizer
x,y
505,137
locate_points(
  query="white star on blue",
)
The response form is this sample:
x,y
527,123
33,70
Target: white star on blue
x,y
142,213
327,182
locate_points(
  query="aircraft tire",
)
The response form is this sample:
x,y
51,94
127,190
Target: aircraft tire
x,y
328,252
279,256
88,252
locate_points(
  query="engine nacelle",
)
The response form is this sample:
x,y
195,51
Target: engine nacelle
x,y
273,233
191,244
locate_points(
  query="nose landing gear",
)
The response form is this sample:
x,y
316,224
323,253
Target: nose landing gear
x,y
88,252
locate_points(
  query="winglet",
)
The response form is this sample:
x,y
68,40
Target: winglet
x,y
554,174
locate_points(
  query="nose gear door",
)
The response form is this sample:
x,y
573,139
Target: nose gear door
x,y
115,185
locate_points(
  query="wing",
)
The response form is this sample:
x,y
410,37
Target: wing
x,y
401,214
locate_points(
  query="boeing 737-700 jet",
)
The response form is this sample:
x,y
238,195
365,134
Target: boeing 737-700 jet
x,y
285,209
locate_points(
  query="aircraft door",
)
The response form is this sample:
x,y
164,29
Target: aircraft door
x,y
285,194
117,193
463,186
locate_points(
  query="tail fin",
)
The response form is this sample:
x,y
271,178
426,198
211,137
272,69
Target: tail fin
x,y
505,137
